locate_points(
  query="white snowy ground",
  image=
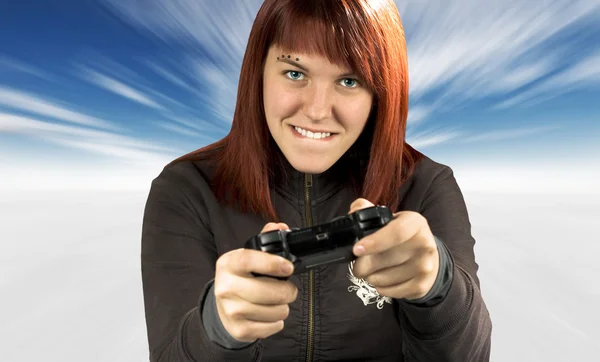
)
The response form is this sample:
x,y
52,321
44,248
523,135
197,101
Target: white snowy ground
x,y
70,280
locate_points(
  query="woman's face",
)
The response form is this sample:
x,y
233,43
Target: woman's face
x,y
315,110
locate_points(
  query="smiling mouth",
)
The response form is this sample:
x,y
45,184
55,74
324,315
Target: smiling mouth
x,y
316,135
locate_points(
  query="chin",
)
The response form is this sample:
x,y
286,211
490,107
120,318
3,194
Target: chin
x,y
309,165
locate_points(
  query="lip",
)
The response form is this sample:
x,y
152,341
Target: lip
x,y
313,130
299,136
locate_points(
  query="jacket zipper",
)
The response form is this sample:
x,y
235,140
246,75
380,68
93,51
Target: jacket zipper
x,y
311,275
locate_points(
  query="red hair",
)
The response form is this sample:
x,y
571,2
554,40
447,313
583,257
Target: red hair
x,y
365,35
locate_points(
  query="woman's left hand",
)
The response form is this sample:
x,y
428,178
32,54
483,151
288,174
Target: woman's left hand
x,y
400,260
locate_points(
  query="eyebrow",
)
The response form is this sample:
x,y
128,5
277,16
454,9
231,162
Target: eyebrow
x,y
295,64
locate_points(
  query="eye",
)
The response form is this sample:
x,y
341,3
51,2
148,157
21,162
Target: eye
x,y
349,82
293,74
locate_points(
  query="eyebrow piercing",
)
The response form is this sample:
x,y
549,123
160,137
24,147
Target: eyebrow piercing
x,y
289,56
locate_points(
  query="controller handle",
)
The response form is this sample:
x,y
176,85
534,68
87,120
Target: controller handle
x,y
272,242
332,241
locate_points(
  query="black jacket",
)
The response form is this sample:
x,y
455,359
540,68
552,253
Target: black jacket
x,y
336,317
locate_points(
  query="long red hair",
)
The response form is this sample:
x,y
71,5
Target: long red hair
x,y
365,35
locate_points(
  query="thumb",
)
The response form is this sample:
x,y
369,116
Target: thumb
x,y
359,204
274,226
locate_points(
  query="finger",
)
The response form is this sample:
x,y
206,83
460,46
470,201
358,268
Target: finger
x,y
393,275
414,288
240,309
402,228
266,291
244,262
249,331
269,291
272,226
262,290
369,264
359,204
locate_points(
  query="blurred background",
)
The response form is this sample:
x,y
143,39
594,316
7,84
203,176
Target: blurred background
x,y
96,96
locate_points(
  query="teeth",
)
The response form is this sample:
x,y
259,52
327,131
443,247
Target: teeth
x,y
309,134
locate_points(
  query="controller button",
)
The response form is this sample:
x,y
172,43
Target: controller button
x,y
272,248
366,214
338,218
281,254
270,238
322,236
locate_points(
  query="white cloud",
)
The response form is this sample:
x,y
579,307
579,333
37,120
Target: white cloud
x,y
10,64
105,65
117,146
127,83
184,131
198,124
136,176
170,76
417,114
520,76
120,88
588,69
124,154
431,138
498,135
219,87
220,28
584,72
462,50
474,48
73,177
16,99
529,178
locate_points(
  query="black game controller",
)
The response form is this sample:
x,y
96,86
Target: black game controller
x,y
323,244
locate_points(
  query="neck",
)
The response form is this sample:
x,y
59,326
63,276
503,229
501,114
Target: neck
x,y
285,176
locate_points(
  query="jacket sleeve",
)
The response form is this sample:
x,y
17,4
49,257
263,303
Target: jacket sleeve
x,y
178,259
457,328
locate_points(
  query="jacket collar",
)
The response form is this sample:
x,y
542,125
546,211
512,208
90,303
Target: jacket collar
x,y
321,186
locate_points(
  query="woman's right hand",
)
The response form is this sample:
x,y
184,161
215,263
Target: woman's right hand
x,y
253,307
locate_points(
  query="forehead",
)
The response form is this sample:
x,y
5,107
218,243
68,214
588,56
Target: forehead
x,y
278,53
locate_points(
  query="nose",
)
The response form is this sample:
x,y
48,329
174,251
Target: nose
x,y
317,102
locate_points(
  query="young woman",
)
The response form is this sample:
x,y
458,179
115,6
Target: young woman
x,y
318,132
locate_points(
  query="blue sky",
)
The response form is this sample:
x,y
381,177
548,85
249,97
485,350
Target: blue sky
x,y
113,89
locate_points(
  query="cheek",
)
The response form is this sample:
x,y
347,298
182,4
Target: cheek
x,y
354,113
280,102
